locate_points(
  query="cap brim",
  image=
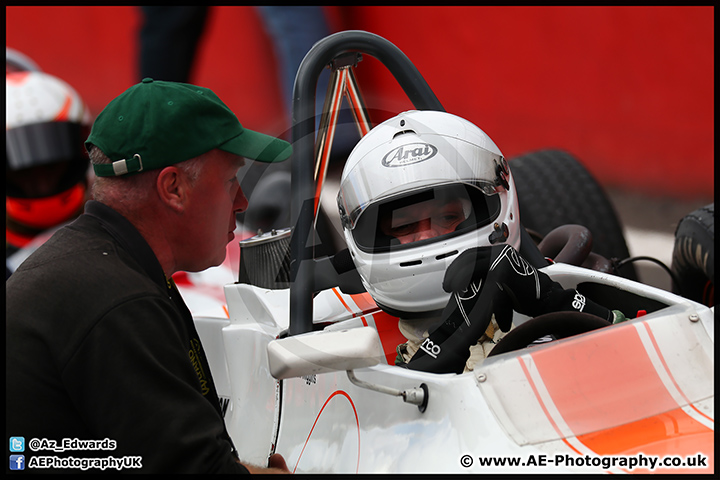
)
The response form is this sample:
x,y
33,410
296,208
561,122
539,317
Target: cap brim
x,y
258,146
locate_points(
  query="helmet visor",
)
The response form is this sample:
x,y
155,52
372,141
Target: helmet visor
x,y
44,143
44,159
424,216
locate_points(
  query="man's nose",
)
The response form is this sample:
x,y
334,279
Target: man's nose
x,y
430,230
424,230
241,202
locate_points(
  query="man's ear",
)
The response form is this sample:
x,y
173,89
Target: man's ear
x,y
171,187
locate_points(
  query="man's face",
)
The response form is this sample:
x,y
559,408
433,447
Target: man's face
x,y
214,200
423,220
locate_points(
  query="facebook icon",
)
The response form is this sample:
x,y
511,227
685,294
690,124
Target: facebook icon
x,y
17,462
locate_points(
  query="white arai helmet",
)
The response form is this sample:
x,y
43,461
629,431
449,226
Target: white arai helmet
x,y
398,177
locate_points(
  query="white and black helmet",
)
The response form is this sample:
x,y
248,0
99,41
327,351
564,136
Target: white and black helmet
x,y
46,165
45,121
416,157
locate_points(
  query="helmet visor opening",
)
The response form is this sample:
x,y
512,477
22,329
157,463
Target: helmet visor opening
x,y
45,143
423,217
44,159
46,180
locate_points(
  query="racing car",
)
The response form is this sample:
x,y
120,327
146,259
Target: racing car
x,y
304,359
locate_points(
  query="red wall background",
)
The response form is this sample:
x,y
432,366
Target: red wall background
x,y
628,90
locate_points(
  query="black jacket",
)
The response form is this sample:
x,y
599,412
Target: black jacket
x,y
101,346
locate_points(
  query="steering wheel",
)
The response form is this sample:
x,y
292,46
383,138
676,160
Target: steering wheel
x,y
572,244
567,244
559,324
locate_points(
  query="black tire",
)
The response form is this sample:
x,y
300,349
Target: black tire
x,y
694,255
555,189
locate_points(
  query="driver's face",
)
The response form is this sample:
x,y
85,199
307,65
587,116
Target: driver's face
x,y
424,220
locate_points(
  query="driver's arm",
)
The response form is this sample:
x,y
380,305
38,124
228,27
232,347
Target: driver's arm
x,y
491,281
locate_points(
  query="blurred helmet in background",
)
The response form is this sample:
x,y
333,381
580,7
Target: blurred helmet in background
x,y
46,164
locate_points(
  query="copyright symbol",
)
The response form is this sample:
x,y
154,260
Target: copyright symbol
x,y
34,444
466,461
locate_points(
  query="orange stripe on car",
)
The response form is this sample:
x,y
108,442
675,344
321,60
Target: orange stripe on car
x,y
337,294
364,302
578,396
655,354
669,433
584,384
385,324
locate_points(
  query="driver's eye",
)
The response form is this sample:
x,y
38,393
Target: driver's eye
x,y
449,219
404,229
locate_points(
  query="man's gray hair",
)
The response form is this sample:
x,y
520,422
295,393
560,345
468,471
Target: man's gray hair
x,y
129,192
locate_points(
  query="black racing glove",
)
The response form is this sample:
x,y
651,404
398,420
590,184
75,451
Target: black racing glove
x,y
531,292
489,280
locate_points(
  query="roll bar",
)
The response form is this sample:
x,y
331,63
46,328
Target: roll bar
x,y
320,56
333,52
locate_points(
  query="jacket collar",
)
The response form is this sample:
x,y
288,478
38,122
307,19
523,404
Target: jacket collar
x,y
125,233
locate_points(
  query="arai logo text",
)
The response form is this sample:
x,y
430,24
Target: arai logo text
x,y
409,154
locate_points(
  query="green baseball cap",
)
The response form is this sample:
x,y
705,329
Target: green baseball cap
x,y
155,124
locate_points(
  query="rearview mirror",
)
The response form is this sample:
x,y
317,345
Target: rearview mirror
x,y
324,352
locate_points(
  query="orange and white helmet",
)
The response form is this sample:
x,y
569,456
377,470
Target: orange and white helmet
x,y
46,164
412,163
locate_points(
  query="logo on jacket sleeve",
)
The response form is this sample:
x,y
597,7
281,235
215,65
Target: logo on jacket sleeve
x,y
195,353
578,302
431,348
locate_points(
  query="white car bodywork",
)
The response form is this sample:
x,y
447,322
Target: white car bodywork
x,y
626,393
618,399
